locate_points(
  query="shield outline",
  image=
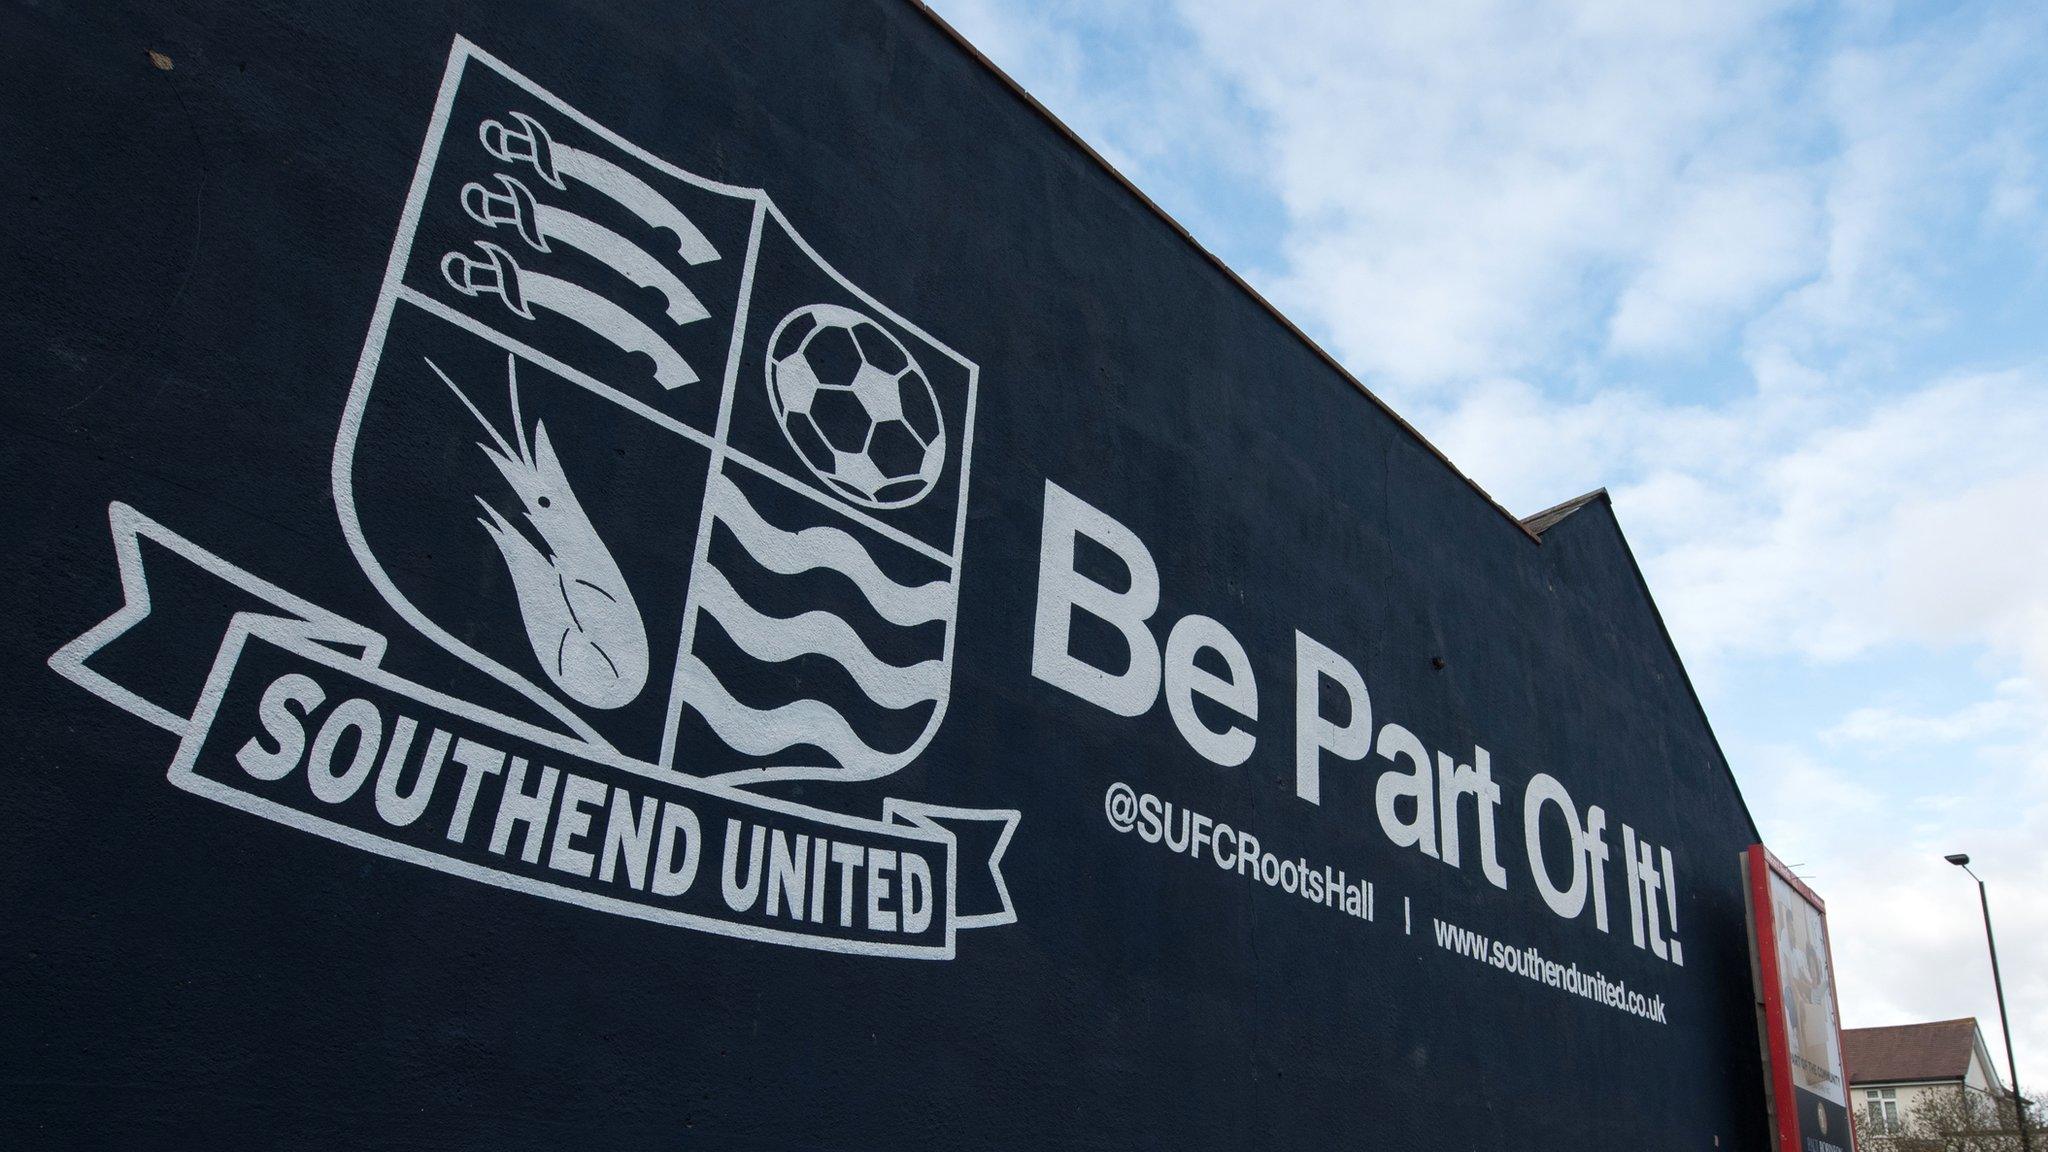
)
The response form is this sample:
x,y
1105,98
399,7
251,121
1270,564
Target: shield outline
x,y
461,53
954,561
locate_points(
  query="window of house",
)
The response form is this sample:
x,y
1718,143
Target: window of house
x,y
1882,1106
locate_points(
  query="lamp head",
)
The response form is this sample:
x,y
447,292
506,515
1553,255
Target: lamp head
x,y
1959,859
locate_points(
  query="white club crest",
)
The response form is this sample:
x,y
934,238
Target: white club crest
x,y
621,441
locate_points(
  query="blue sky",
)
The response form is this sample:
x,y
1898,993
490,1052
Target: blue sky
x,y
1776,275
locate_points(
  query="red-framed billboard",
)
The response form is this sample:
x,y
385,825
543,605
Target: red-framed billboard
x,y
1805,1080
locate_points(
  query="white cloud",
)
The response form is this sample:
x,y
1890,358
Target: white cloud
x,y
1467,181
1833,546
1730,245
2014,707
1974,564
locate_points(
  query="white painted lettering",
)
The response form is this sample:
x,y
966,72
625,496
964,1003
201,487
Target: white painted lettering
x,y
674,874
1475,780
1314,733
572,819
788,864
740,893
478,761
881,862
1184,681
362,717
1062,591
917,893
517,807
1417,786
288,729
628,839
400,810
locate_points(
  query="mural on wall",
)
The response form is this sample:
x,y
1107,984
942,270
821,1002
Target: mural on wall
x,y
509,500
622,442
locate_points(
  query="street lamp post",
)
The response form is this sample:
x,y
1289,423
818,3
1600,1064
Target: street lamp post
x,y
1962,860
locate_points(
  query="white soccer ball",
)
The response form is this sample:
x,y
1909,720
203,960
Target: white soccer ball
x,y
855,406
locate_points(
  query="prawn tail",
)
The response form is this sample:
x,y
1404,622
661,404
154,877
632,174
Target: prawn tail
x,y
608,648
586,631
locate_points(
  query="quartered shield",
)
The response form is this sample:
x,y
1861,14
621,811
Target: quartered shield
x,y
620,439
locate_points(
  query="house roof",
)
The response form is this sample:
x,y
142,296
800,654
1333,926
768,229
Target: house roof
x,y
1908,1052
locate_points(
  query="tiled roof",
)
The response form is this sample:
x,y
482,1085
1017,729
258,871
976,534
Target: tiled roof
x,y
1904,1052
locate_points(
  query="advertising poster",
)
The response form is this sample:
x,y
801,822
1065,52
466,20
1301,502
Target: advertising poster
x,y
706,575
1809,1085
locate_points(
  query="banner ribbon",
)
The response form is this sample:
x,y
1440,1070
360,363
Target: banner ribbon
x,y
297,722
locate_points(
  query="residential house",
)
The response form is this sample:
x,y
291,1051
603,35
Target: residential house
x,y
1893,1070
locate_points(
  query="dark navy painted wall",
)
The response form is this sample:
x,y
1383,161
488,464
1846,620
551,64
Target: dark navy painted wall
x,y
192,258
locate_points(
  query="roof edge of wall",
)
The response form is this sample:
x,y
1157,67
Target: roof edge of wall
x,y
1599,498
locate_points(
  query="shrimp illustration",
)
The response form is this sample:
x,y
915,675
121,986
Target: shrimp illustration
x,y
581,619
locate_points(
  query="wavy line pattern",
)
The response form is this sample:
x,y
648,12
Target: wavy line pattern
x,y
774,639
766,731
789,553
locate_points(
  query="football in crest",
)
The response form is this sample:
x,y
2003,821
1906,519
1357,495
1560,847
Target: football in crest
x,y
855,406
